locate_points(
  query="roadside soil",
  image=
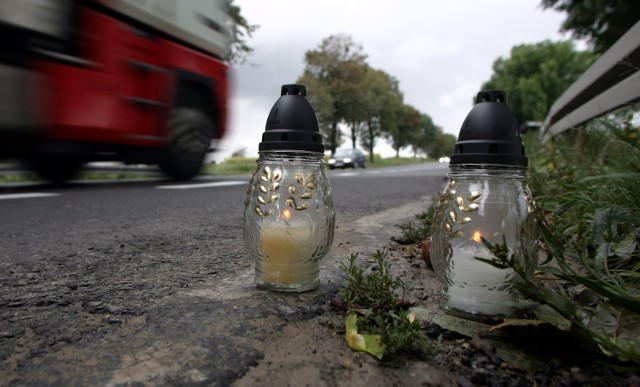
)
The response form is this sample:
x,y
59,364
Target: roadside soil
x,y
183,310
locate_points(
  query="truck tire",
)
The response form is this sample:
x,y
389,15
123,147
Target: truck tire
x,y
191,133
55,169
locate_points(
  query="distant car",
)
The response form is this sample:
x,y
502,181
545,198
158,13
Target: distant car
x,y
344,158
444,159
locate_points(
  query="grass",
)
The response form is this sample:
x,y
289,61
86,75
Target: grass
x,y
383,327
583,175
586,184
230,166
247,165
379,162
17,178
26,176
374,288
419,230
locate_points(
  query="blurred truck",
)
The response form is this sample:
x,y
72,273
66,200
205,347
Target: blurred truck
x,y
136,81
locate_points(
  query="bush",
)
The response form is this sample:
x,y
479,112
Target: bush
x,y
586,186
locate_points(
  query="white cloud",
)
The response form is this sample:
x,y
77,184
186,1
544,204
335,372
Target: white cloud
x,y
421,50
441,52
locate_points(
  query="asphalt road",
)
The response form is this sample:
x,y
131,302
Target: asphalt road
x,y
36,219
117,283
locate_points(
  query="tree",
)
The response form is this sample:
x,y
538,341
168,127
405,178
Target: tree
x,y
355,112
240,31
536,75
240,152
443,144
600,22
369,135
425,136
379,103
319,94
345,90
336,69
404,133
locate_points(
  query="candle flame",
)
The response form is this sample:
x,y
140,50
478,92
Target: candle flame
x,y
477,237
286,213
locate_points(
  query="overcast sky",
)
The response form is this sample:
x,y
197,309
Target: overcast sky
x,y
440,51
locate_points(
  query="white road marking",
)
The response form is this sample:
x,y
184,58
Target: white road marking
x,y
345,174
203,185
28,195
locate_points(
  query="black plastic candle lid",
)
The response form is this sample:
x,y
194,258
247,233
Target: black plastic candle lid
x,y
292,124
490,134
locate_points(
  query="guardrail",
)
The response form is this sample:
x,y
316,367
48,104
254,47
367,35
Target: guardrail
x,y
612,81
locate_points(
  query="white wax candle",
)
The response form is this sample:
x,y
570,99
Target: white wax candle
x,y
288,252
476,284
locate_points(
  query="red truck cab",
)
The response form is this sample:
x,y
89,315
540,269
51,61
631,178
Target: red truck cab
x,y
112,80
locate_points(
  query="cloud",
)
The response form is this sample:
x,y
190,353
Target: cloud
x,y
441,52
422,49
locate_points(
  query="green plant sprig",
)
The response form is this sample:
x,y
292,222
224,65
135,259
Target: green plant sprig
x,y
610,330
372,289
373,293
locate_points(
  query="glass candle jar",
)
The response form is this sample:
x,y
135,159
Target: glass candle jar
x,y
289,220
486,198
494,203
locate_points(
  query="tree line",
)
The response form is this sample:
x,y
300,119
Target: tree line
x,y
364,104
351,96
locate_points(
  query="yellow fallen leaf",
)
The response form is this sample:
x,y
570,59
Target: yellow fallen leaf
x,y
371,344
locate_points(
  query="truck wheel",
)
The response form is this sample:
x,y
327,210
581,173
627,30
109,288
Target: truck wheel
x,y
55,169
191,132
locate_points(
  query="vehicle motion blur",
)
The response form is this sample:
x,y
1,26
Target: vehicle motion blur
x,y
112,80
